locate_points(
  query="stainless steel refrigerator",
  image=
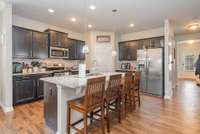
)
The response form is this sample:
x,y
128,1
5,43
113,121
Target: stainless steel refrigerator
x,y
150,63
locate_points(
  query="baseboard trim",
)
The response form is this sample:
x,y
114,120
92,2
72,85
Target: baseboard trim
x,y
167,97
6,109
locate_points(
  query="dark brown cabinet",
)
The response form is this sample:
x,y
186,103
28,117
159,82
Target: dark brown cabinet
x,y
24,90
40,45
28,88
22,43
29,44
128,49
79,50
57,39
76,49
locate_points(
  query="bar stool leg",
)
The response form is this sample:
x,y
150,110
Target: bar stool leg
x,y
107,117
91,117
68,120
85,123
102,119
119,110
133,95
139,98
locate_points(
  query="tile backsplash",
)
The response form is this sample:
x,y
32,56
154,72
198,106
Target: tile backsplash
x,y
134,63
51,62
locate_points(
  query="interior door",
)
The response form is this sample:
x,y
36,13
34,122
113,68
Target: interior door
x,y
155,71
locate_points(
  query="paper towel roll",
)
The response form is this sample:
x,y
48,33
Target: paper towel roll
x,y
82,70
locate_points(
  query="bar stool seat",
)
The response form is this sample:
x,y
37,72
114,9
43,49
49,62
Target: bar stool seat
x,y
77,104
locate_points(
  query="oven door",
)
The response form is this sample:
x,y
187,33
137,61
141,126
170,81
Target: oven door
x,y
59,53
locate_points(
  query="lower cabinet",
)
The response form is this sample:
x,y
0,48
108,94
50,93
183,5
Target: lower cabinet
x,y
24,90
27,88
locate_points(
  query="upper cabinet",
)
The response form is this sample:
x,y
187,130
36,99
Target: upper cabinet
x,y
60,39
128,49
32,44
40,45
29,44
156,42
76,49
22,43
57,39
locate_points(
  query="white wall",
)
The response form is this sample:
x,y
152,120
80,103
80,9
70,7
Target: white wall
x,y
6,58
101,53
143,34
1,84
169,62
185,48
40,26
185,37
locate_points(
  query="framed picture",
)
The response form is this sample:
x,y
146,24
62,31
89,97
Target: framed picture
x,y
103,38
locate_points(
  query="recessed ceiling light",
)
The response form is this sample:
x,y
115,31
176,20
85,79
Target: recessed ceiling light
x,y
193,26
51,10
73,19
191,41
131,25
90,26
92,7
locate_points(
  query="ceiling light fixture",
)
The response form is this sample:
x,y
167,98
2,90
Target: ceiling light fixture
x,y
193,26
92,7
131,25
90,26
51,10
191,41
73,19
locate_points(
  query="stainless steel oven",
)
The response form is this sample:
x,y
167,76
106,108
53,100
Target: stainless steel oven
x,y
56,52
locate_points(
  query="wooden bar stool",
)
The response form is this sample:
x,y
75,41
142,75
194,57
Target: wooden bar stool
x,y
126,97
136,88
93,99
112,98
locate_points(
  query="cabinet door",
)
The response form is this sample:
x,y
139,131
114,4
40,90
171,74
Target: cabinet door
x,y
22,43
157,42
72,48
132,48
64,40
122,51
79,50
24,90
54,39
40,86
40,89
40,45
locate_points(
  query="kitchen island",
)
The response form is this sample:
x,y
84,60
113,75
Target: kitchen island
x,y
58,91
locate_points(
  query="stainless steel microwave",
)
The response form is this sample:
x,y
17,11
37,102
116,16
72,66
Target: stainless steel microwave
x,y
56,52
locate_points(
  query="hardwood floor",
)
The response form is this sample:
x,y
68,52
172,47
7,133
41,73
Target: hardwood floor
x,y
181,115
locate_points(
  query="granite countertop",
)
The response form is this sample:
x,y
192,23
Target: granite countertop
x,y
46,72
73,81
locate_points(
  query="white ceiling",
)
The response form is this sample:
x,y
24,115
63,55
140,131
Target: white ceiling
x,y
145,14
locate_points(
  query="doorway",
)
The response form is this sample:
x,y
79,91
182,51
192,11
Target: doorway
x,y
187,55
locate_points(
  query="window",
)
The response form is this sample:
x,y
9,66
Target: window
x,y
189,63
